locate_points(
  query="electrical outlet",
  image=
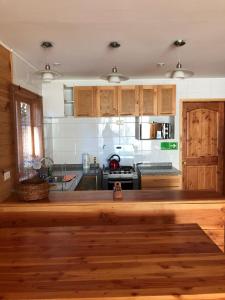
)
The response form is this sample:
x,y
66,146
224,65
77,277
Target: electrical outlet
x,y
6,175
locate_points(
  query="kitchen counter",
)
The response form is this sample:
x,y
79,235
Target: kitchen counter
x,y
137,207
129,196
158,169
172,171
70,170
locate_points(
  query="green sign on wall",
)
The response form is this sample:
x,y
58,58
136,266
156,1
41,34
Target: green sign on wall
x,y
169,145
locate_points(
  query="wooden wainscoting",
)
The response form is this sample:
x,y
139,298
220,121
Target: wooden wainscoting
x,y
7,152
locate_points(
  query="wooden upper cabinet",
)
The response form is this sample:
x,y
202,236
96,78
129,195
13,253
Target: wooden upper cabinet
x,y
84,101
128,100
166,100
148,100
107,104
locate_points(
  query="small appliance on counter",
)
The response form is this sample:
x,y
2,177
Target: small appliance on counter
x,y
114,162
86,161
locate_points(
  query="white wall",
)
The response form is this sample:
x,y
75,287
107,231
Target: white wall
x,y
67,138
24,74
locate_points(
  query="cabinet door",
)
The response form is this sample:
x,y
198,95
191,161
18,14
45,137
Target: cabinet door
x,y
128,100
166,100
84,99
107,104
166,182
148,100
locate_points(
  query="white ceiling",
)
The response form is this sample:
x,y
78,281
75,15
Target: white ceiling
x,y
82,29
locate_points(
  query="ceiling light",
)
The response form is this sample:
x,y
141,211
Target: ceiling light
x,y
114,45
47,74
179,72
46,44
115,77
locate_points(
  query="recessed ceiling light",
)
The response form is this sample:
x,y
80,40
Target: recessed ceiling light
x,y
46,44
179,43
56,64
114,44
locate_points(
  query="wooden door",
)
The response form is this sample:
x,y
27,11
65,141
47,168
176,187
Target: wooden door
x,y
148,100
107,104
84,101
166,99
128,100
203,146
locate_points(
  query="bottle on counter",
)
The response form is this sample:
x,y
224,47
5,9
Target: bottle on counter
x,y
86,161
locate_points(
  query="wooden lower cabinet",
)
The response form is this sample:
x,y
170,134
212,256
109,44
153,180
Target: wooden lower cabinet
x,y
171,182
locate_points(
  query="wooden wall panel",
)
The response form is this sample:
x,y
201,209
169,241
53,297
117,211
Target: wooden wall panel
x,y
7,152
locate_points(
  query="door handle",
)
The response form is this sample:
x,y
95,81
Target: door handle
x,y
184,163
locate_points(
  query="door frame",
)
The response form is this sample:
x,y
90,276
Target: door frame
x,y
181,106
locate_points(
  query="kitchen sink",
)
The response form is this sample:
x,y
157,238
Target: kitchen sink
x,y
56,179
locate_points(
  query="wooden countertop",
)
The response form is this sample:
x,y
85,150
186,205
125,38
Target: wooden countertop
x,y
84,197
110,262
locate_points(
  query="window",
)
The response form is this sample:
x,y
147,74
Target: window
x,y
29,130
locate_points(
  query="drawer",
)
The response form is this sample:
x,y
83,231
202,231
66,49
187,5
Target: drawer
x,y
161,181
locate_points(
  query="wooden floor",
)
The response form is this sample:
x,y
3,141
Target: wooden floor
x,y
110,262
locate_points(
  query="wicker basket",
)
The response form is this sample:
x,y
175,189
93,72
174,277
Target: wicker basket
x,y
33,189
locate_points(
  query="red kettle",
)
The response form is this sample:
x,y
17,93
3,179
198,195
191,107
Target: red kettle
x,y
114,162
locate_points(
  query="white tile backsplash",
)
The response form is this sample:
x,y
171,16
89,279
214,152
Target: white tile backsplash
x,y
127,130
67,138
108,130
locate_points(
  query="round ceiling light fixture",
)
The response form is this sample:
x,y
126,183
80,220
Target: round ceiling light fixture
x,y
47,75
114,76
179,71
114,44
46,44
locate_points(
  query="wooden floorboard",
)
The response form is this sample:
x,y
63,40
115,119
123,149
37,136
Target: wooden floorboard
x,y
145,261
